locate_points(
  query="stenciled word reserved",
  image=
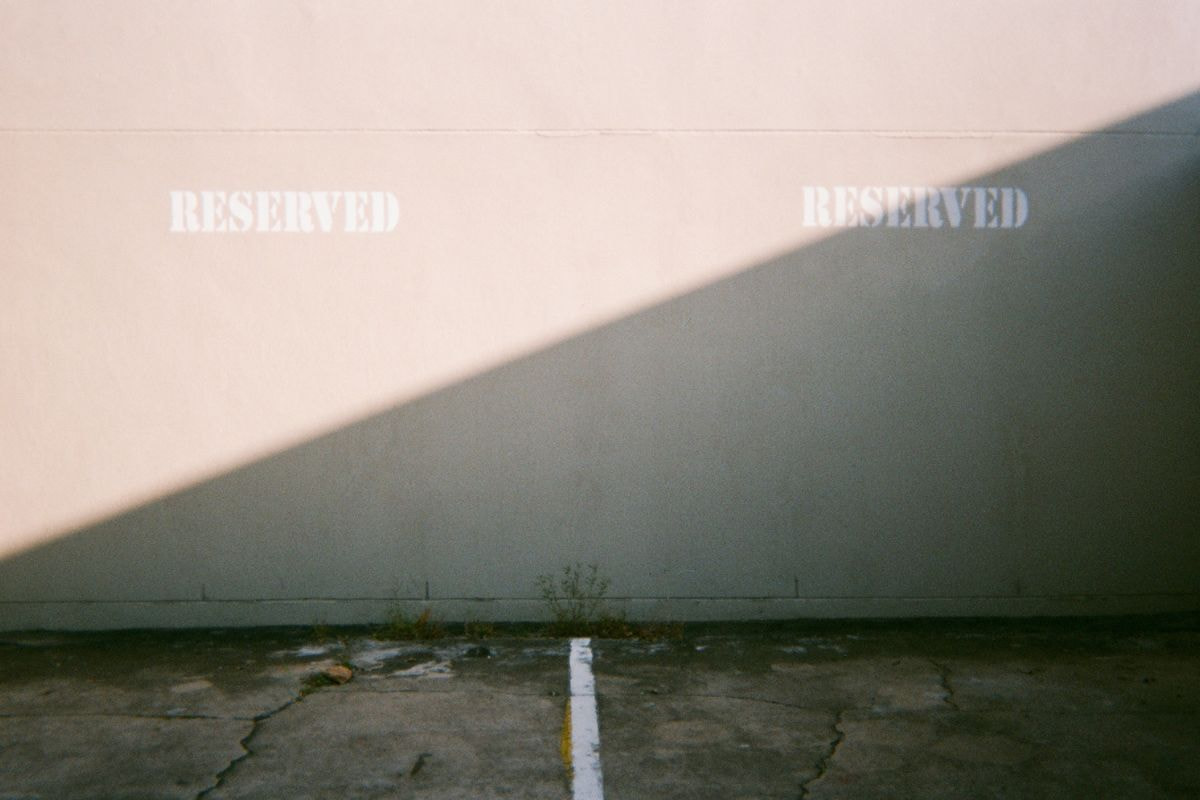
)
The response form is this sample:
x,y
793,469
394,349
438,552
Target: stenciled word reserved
x,y
914,207
283,212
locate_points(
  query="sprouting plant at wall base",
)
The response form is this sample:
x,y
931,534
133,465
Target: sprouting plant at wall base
x,y
478,630
400,626
574,598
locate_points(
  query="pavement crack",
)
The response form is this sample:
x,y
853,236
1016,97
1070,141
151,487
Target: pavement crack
x,y
743,699
420,762
947,687
836,740
479,692
109,714
244,743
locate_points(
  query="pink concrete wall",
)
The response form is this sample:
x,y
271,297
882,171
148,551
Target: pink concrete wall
x,y
600,329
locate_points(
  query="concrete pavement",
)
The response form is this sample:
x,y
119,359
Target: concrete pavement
x,y
1025,709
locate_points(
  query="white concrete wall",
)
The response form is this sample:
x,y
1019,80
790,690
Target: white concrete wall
x,y
600,330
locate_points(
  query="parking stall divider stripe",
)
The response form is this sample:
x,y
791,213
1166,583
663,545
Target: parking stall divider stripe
x,y
587,782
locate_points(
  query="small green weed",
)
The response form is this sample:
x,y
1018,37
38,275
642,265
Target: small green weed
x,y
402,627
323,634
478,630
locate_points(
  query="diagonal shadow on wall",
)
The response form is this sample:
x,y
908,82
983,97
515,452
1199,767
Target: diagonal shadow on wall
x,y
885,413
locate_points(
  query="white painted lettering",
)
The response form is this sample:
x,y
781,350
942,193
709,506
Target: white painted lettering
x,y
240,212
870,200
998,207
183,212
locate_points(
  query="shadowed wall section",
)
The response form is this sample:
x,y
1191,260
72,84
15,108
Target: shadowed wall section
x,y
882,422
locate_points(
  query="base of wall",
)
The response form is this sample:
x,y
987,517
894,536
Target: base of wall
x,y
101,615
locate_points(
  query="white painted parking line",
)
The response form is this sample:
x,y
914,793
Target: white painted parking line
x,y
586,780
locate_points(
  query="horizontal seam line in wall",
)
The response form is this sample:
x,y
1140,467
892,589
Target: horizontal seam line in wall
x,y
568,132
656,598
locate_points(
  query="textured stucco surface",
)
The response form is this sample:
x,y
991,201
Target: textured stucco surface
x,y
600,331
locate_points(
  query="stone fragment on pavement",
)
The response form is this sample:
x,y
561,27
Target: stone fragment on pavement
x,y
338,673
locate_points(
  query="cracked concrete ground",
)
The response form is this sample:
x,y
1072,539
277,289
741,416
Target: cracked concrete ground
x,y
1025,709
923,710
